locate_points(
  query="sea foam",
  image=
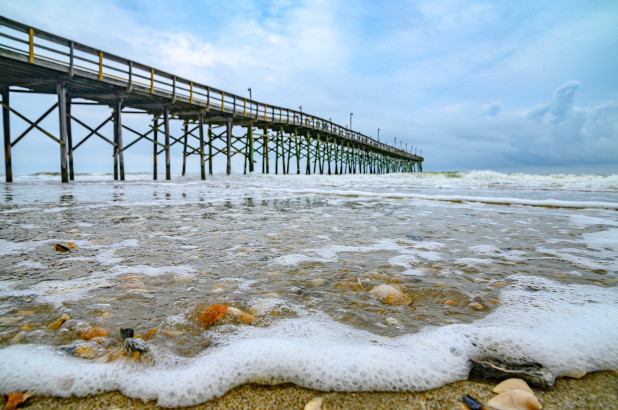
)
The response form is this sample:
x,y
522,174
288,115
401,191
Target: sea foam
x,y
567,328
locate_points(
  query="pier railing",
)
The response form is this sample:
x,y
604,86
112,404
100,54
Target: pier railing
x,y
49,50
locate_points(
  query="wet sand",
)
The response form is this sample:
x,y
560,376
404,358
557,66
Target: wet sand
x,y
597,390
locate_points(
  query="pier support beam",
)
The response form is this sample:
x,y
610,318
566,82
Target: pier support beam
x,y
250,142
184,149
202,162
61,89
166,122
155,148
70,140
118,152
8,170
228,152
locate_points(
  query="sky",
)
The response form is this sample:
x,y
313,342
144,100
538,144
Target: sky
x,y
525,86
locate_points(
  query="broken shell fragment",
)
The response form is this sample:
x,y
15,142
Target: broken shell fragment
x,y
151,333
511,384
135,345
515,400
59,322
70,245
93,332
15,399
212,313
60,248
390,295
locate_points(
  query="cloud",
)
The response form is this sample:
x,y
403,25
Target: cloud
x,y
492,109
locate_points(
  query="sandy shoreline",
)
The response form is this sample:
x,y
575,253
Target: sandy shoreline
x,y
597,390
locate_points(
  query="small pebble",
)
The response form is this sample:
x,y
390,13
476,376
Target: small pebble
x,y
59,322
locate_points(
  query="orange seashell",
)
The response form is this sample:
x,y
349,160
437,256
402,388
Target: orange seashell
x,y
211,314
15,399
151,333
451,302
70,245
95,332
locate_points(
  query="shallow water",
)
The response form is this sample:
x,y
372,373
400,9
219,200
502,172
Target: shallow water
x,y
474,251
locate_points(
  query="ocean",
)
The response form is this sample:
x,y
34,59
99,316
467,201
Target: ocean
x,y
511,266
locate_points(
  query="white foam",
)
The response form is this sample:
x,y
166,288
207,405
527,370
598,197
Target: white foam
x,y
31,265
563,327
8,247
551,203
184,270
580,261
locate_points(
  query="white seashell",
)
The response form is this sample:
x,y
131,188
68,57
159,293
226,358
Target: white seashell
x,y
512,384
314,404
390,295
515,400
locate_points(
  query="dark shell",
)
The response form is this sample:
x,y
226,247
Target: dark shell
x,y
532,373
472,403
135,345
126,332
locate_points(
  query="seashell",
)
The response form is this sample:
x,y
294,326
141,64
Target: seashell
x,y
476,306
15,399
211,314
511,384
59,322
18,337
135,345
515,400
126,332
472,403
532,373
60,248
451,302
390,295
151,333
237,313
140,290
314,404
172,333
93,332
84,352
576,374
70,245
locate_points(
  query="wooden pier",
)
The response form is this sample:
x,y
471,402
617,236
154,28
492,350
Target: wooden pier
x,y
214,122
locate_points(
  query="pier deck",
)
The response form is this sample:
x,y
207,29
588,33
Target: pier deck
x,y
35,61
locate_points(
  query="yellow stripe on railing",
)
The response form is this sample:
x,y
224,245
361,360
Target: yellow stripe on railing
x,y
244,107
100,65
152,81
265,107
191,91
222,99
31,45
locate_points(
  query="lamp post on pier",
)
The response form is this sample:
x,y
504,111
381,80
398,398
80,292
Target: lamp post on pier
x,y
249,89
351,114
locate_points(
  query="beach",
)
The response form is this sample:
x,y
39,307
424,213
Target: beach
x,y
193,292
595,391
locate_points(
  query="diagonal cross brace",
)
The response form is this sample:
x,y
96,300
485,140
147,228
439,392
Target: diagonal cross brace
x,y
41,118
92,131
34,125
